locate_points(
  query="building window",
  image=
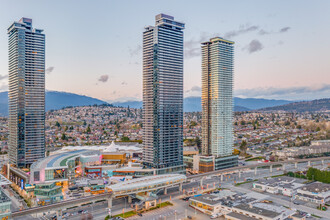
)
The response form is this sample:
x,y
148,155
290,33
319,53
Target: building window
x,y
36,176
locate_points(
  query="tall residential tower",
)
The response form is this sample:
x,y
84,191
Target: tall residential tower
x,y
217,101
26,93
163,95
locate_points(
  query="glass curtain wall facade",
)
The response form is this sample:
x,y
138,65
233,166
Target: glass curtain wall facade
x,y
26,47
217,97
163,95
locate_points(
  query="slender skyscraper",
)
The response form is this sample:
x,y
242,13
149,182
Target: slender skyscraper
x,y
217,101
163,95
26,93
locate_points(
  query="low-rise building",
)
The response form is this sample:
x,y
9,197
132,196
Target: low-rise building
x,y
203,164
190,150
292,152
282,185
95,187
221,202
314,192
260,211
48,193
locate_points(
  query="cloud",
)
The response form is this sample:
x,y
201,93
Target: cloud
x,y
282,30
3,87
191,52
302,92
50,69
124,83
285,29
3,77
103,78
192,47
136,51
254,46
243,29
263,32
194,91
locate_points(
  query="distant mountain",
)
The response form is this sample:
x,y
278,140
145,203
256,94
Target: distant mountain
x,y
305,106
193,104
131,104
190,104
55,100
254,103
58,100
238,108
3,103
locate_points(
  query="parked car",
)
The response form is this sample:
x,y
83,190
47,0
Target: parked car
x,y
214,216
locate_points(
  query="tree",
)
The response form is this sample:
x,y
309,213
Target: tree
x,y
57,124
124,138
198,142
236,152
63,137
243,147
88,130
192,124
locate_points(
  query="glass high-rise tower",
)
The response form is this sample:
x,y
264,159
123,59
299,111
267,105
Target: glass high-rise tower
x,y
163,95
26,49
217,99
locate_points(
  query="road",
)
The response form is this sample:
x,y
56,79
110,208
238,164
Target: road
x,y
99,211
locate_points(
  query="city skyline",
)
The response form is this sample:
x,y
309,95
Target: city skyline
x,y
270,38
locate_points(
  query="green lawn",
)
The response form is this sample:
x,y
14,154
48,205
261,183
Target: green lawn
x,y
238,184
132,213
126,214
255,158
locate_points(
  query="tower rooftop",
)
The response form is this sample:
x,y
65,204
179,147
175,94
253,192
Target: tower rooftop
x,y
27,21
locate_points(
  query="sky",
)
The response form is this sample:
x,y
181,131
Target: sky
x,y
94,48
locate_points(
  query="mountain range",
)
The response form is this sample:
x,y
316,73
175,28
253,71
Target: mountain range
x,y
311,106
193,104
57,100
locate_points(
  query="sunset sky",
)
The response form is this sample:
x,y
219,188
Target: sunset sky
x,y
282,48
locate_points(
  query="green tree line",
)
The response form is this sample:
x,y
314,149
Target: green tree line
x,y
318,175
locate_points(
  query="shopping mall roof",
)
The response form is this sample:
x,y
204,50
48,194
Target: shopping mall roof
x,y
60,160
112,148
149,182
